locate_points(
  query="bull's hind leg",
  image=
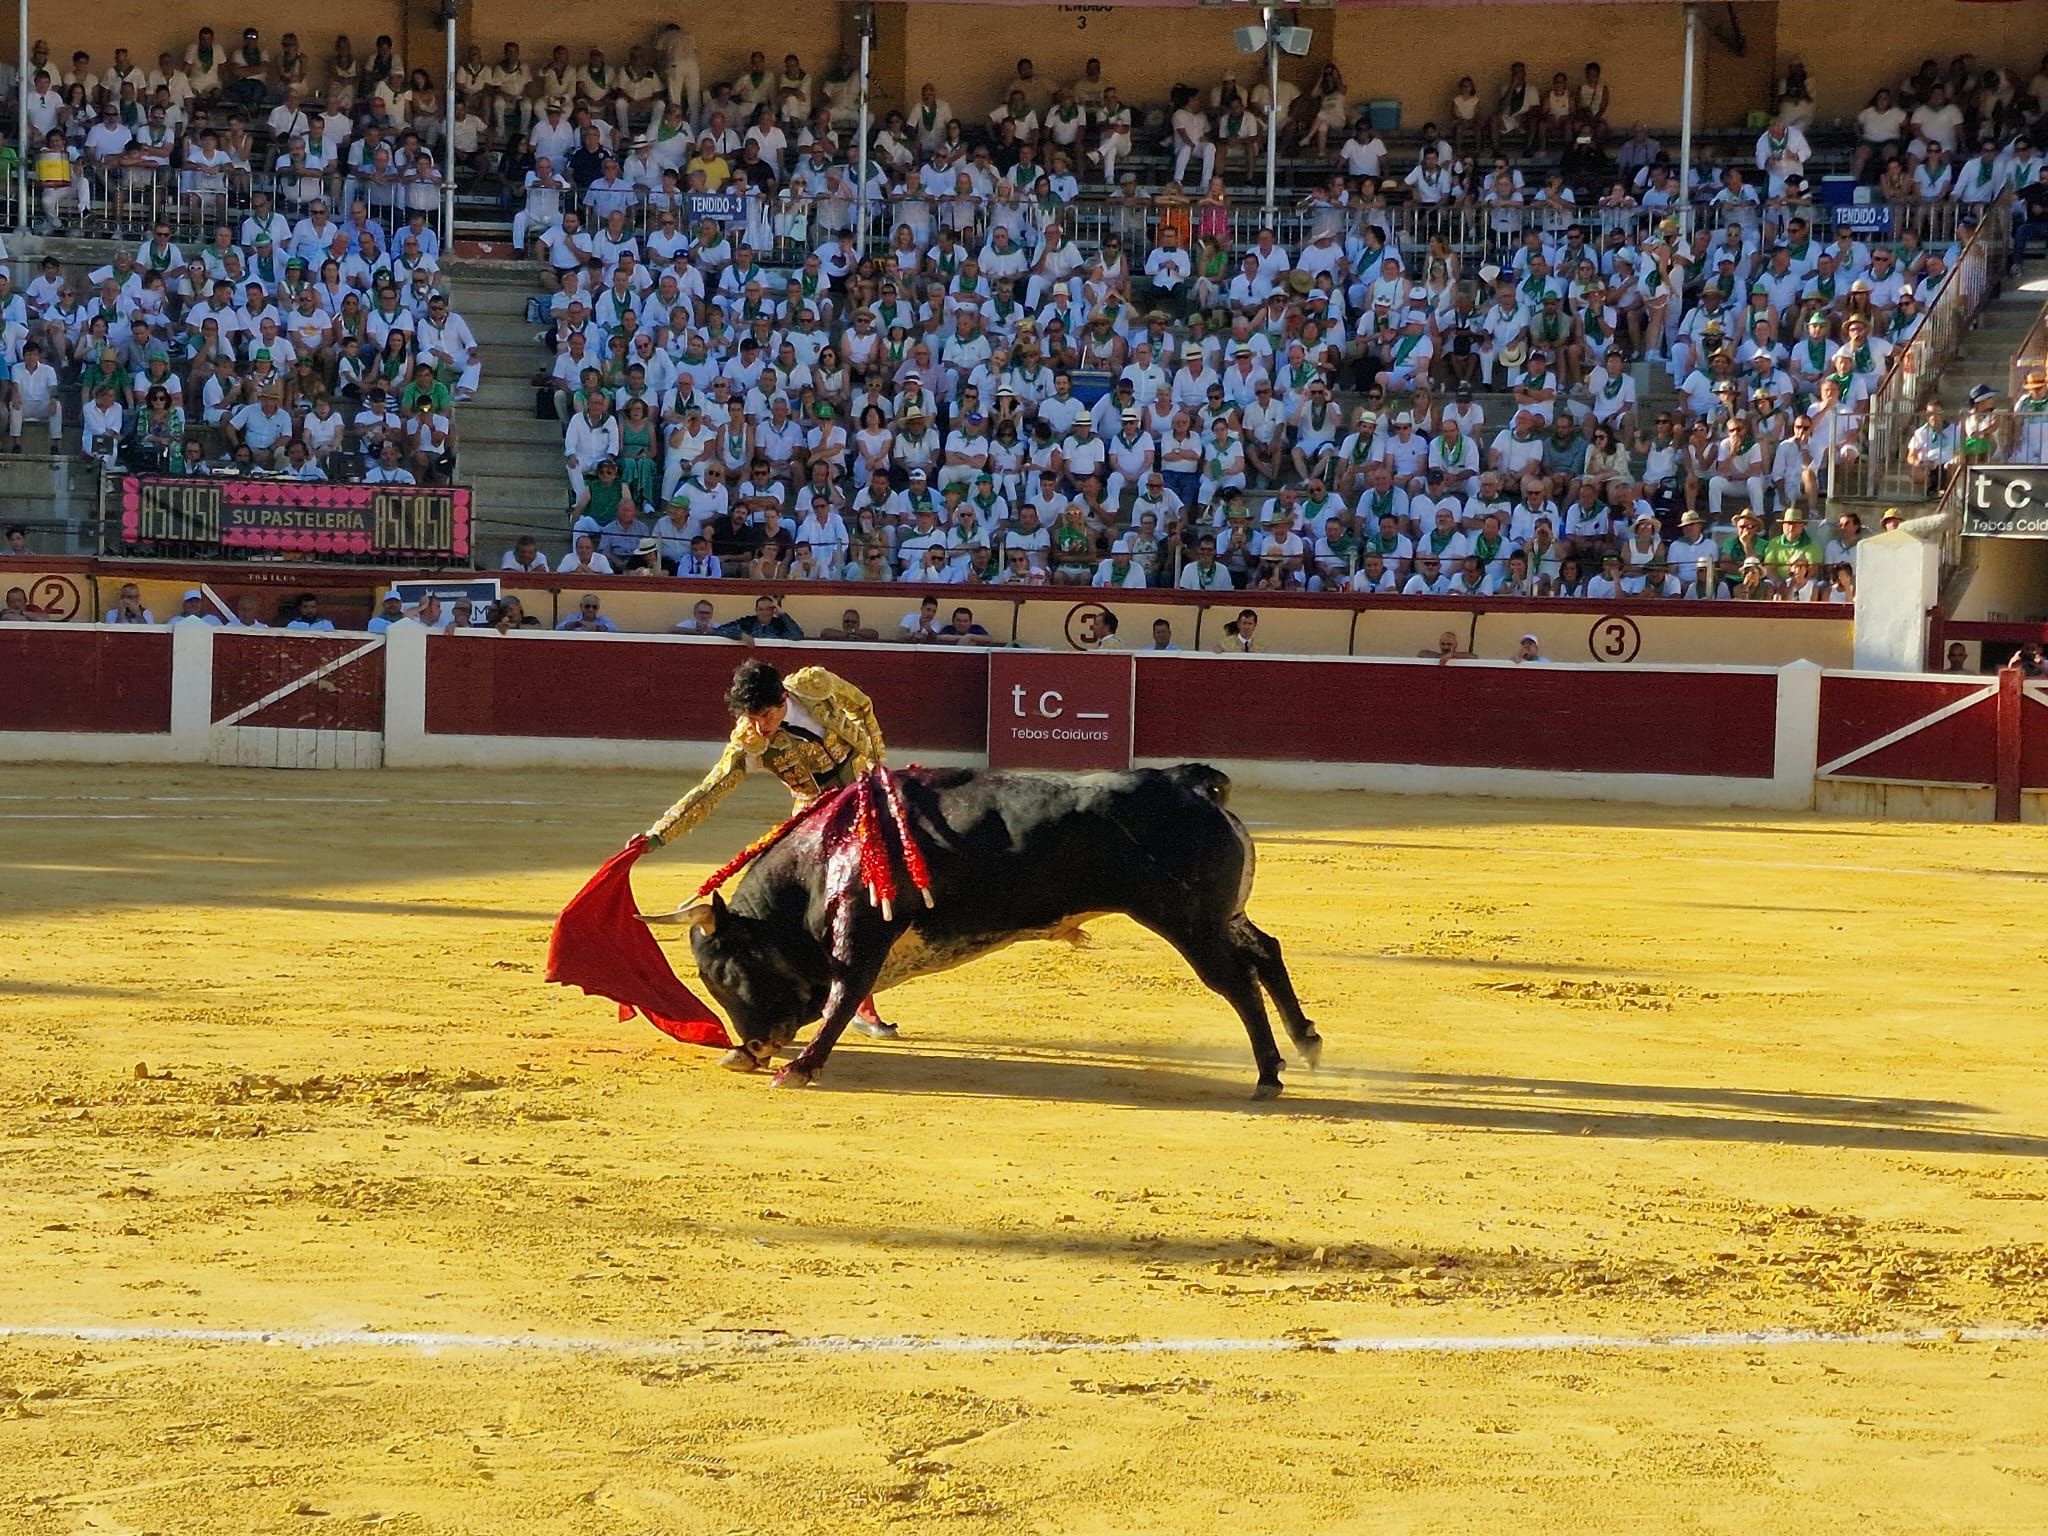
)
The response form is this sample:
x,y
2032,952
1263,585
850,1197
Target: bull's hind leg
x,y
1227,970
1262,951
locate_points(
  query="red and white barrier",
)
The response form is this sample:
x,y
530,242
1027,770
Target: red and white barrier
x,y
104,693
1934,745
1781,738
1679,735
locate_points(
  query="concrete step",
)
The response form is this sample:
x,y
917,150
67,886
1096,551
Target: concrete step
x,y
513,427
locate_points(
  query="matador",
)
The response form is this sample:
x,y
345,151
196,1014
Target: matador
x,y
814,731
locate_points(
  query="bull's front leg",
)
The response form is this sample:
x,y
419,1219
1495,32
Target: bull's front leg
x,y
842,1000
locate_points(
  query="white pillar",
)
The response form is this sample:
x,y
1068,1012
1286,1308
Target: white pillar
x,y
405,694
860,194
26,159
1797,752
1272,18
448,140
1898,578
191,692
1692,22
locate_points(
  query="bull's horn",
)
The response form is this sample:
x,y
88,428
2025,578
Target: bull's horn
x,y
701,915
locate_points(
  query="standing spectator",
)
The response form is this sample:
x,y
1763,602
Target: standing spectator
x,y
33,396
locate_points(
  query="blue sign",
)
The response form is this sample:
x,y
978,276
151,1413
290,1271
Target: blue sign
x,y
1865,218
722,207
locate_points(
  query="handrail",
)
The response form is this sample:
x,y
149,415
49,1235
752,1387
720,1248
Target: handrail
x,y
1893,408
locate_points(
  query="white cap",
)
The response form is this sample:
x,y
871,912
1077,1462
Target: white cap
x,y
193,594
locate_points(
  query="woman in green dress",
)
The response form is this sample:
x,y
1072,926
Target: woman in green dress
x,y
637,451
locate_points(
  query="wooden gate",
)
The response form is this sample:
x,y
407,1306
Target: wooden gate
x,y
287,699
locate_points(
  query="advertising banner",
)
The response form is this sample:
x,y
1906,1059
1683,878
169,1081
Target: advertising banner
x,y
306,517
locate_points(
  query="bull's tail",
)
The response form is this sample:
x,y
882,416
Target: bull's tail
x,y
1211,784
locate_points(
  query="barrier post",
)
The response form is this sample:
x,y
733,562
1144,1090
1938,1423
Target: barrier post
x,y
1898,578
191,692
405,694
1795,760
2011,700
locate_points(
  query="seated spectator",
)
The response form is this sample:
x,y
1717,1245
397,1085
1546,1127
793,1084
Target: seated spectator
x,y
587,619
700,621
306,615
962,630
766,622
583,559
524,555
850,628
128,607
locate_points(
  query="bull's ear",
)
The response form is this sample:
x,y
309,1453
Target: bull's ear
x,y
709,917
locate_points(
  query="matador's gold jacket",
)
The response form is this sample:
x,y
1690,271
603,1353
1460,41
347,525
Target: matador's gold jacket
x,y
847,744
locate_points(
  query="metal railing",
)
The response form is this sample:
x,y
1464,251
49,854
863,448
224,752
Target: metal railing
x,y
2031,355
1472,231
1892,413
127,202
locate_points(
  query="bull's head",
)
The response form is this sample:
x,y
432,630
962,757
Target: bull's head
x,y
753,974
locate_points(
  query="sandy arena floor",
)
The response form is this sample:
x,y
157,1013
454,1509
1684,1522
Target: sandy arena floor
x,y
278,1057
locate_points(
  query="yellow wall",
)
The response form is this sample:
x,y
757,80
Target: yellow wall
x,y
970,52
1414,53
1417,53
725,34
1047,618
1851,47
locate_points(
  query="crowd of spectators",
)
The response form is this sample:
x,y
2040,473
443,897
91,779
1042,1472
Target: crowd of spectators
x,y
983,398
320,348
310,335
210,123
987,400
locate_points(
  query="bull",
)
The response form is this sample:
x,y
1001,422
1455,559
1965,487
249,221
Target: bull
x,y
1009,858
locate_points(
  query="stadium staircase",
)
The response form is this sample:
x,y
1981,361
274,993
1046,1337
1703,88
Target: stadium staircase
x,y
1987,352
512,460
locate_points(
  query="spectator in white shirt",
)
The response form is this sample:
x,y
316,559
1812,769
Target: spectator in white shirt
x,y
524,555
584,559
128,607
33,396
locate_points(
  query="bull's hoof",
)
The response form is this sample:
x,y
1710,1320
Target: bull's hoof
x,y
1311,1048
795,1075
739,1059
1267,1090
875,1029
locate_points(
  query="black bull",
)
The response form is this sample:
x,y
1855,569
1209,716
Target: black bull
x,y
1010,858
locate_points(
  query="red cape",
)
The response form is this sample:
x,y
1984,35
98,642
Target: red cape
x,y
600,945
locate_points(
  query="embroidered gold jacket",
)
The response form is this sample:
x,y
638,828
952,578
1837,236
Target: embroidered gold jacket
x,y
851,745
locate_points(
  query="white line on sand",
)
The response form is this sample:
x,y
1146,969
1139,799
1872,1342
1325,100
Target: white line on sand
x,y
427,1343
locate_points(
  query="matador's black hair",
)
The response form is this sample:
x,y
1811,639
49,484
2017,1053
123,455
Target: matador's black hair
x,y
755,686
